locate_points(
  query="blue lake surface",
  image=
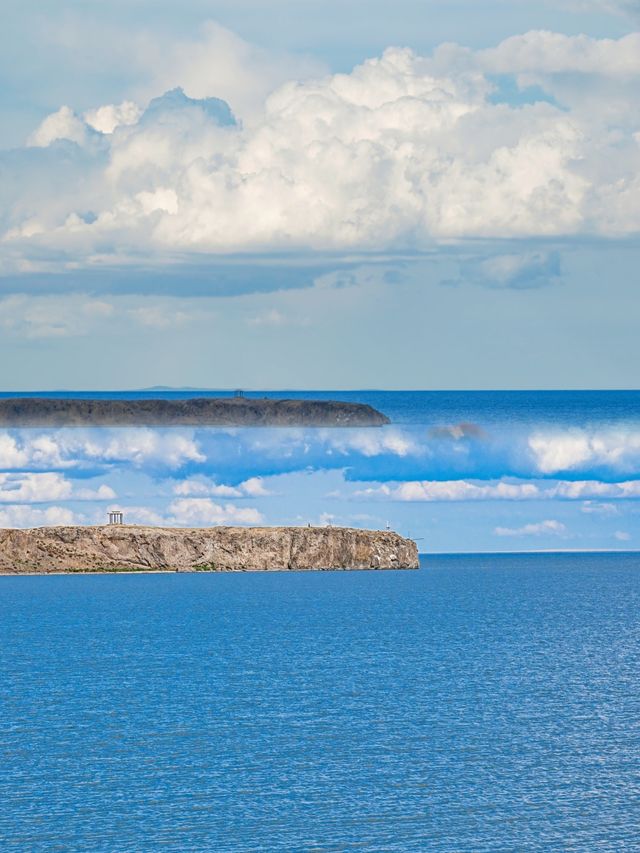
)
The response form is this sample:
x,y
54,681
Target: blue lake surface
x,y
485,703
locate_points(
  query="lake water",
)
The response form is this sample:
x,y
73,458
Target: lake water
x,y
485,703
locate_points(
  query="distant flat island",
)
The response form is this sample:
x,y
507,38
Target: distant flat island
x,y
197,411
133,548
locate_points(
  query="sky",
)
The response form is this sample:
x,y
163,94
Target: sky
x,y
319,195
336,195
509,483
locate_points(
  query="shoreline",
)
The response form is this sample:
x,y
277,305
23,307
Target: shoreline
x,y
128,572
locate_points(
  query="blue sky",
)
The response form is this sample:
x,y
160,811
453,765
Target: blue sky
x,y
439,195
500,487
324,195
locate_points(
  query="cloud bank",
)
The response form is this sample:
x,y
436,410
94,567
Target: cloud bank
x,y
47,487
404,152
214,461
501,490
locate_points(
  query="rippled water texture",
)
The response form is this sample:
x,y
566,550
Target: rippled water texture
x,y
481,704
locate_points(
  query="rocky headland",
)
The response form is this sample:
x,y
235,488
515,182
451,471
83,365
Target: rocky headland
x,y
198,411
131,548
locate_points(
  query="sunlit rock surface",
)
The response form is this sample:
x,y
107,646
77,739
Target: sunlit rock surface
x,y
228,549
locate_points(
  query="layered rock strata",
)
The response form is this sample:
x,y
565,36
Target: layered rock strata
x,y
115,548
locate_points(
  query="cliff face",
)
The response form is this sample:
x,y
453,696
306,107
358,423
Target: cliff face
x,y
203,411
133,548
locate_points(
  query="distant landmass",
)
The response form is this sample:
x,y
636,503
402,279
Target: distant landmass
x,y
197,411
131,548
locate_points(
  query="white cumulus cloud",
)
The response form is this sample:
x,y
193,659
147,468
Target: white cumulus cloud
x,y
140,446
31,451
374,442
107,118
453,490
201,486
402,152
503,490
541,528
204,511
69,448
28,516
34,488
63,124
46,487
541,52
574,449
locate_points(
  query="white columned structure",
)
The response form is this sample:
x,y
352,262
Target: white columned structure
x,y
116,517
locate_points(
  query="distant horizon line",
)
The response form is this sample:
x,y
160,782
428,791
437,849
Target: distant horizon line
x,y
529,552
297,390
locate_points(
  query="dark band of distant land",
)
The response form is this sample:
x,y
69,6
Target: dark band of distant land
x,y
200,411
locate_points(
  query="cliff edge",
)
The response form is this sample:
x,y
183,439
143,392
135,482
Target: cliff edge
x,y
113,548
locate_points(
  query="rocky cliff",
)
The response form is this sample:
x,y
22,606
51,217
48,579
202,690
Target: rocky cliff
x,y
200,411
132,548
